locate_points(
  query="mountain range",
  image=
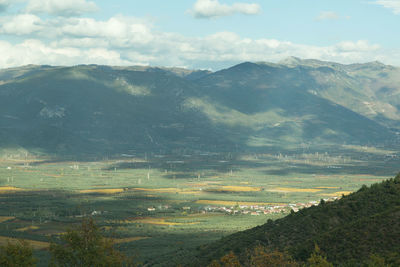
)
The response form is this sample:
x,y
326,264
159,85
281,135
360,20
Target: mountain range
x,y
91,109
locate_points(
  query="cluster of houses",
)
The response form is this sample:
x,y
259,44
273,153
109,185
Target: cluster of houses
x,y
259,210
161,207
244,209
255,210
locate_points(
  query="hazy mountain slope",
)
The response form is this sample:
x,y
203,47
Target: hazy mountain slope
x,y
371,89
97,108
347,230
10,74
278,103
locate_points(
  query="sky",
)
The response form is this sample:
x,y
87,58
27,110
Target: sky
x,y
197,34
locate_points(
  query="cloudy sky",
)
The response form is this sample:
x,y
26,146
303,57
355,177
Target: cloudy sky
x,y
206,34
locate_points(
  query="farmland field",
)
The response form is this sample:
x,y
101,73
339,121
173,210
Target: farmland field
x,y
153,205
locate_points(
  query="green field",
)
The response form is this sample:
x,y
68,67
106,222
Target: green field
x,y
155,205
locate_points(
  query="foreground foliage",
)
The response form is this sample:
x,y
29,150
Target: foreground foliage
x,y
17,254
261,256
85,246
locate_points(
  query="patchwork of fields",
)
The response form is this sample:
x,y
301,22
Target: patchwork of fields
x,y
153,205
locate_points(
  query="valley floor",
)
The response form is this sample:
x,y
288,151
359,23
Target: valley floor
x,y
154,205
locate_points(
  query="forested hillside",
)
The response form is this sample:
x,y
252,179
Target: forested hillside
x,y
348,231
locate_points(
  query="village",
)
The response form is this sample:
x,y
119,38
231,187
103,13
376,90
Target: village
x,y
253,210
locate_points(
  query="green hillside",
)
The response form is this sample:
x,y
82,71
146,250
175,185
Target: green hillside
x,y
348,230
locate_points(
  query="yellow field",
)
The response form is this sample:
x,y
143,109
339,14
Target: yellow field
x,y
294,190
196,184
102,191
5,218
35,244
337,194
159,190
327,187
54,234
213,182
168,190
148,195
205,183
233,188
31,227
6,189
233,203
155,221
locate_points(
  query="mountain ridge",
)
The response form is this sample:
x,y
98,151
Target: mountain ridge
x,y
250,105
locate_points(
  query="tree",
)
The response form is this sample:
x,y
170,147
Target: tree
x,y
260,257
229,260
85,246
397,178
214,263
317,259
18,254
376,261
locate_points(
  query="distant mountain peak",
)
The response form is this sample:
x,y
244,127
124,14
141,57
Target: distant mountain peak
x,y
295,61
290,61
375,63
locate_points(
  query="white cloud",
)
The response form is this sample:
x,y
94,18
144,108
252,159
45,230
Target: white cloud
x,y
23,24
117,31
213,9
65,8
394,5
247,9
327,15
37,52
85,42
121,31
124,40
360,45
